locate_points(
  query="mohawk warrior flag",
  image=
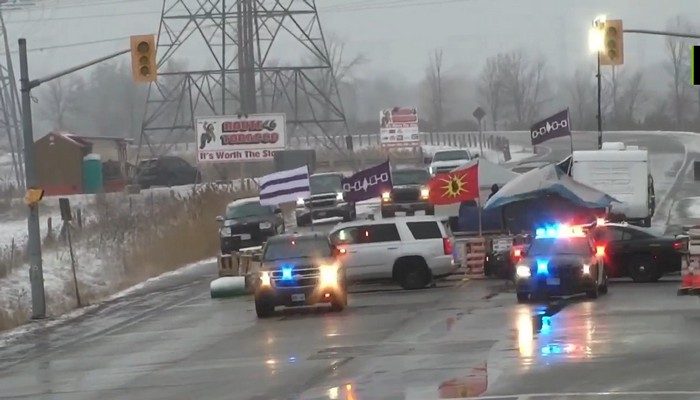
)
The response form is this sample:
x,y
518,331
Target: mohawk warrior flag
x,y
454,187
368,183
557,125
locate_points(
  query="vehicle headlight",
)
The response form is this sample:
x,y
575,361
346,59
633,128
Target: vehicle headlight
x,y
386,196
226,231
339,196
329,275
265,225
300,202
265,278
424,193
522,271
586,269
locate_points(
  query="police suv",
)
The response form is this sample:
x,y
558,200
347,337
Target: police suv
x,y
299,270
560,261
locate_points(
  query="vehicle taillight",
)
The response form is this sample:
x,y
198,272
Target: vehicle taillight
x,y
517,253
447,246
600,251
680,245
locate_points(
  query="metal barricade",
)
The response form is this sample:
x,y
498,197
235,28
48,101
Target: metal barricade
x,y
239,263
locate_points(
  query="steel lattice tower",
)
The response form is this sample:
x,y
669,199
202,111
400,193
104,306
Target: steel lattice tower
x,y
254,56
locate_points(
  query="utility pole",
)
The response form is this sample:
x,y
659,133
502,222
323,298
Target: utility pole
x,y
599,116
36,270
11,100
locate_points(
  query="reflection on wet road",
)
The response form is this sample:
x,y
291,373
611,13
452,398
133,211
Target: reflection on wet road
x,y
640,338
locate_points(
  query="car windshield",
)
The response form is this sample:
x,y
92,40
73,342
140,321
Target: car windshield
x,y
326,184
451,155
555,246
309,247
410,177
249,209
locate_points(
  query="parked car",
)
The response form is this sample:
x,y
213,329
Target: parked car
x,y
247,223
408,194
409,250
327,200
166,171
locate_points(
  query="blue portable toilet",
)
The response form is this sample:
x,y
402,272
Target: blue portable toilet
x,y
93,181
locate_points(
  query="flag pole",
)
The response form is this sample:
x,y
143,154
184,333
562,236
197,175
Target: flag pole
x,y
479,205
571,138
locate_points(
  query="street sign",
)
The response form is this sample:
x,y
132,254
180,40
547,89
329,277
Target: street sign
x,y
479,113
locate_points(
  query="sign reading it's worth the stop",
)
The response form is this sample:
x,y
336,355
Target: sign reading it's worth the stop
x,y
233,138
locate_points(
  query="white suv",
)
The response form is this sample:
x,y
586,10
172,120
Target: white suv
x,y
410,250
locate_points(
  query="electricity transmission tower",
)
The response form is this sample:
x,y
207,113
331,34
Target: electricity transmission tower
x,y
227,57
10,112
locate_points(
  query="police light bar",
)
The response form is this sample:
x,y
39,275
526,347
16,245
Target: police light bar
x,y
559,231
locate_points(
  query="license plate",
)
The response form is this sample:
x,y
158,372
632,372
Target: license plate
x,y
553,281
245,236
322,214
298,297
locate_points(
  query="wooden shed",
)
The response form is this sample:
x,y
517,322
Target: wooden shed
x,y
59,157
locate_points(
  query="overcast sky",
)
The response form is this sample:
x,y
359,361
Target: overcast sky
x,y
395,35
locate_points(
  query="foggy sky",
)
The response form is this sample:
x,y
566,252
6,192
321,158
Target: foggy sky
x,y
396,36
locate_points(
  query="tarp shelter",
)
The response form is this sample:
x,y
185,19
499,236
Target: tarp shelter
x,y
489,174
547,195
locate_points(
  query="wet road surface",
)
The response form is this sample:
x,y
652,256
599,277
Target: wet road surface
x,y
639,340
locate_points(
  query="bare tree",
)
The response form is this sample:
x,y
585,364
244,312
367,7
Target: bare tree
x,y
582,97
524,86
435,86
625,92
679,68
490,88
60,101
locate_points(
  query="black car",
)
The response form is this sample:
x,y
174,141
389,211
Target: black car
x,y
327,200
639,253
247,223
166,171
299,270
560,262
408,194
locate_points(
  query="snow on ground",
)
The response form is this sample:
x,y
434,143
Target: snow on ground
x,y
18,283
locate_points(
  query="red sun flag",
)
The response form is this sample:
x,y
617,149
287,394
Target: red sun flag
x,y
455,187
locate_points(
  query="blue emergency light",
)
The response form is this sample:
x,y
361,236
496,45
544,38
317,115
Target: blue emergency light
x,y
542,267
558,232
287,273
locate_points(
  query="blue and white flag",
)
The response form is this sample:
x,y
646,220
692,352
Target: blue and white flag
x,y
284,186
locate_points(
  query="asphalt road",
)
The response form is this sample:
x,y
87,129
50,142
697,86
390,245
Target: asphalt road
x,y
171,341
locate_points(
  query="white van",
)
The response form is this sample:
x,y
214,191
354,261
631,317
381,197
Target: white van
x,y
623,173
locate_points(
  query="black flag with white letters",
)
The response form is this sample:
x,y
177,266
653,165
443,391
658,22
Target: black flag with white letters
x,y
557,125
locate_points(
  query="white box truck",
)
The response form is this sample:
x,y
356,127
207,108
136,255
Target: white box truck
x,y
622,172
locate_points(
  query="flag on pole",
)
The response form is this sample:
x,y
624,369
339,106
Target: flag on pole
x,y
555,126
285,186
455,187
368,183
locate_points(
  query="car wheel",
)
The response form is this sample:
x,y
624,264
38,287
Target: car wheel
x,y
604,286
595,293
300,222
388,214
414,276
339,302
523,297
264,307
647,222
643,270
430,211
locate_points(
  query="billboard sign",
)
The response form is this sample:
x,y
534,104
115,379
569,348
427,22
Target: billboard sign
x,y
233,138
398,127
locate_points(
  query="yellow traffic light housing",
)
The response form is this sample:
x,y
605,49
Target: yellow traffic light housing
x,y
613,49
33,196
143,58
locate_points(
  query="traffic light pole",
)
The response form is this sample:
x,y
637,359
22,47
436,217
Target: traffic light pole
x,y
36,271
600,111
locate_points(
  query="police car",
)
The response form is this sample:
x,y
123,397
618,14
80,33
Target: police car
x,y
299,269
560,261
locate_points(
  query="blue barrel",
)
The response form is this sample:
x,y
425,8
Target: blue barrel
x,y
93,181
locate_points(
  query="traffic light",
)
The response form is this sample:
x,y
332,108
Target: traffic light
x,y
613,49
143,58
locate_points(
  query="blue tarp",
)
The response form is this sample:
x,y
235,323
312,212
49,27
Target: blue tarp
x,y
469,218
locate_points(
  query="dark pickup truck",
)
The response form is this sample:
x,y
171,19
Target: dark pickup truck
x,y
327,200
408,194
247,223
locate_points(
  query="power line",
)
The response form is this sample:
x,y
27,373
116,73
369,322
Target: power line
x,y
79,17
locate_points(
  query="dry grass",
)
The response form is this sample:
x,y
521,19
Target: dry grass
x,y
136,238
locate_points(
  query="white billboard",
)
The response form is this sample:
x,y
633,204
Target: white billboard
x,y
398,127
231,138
